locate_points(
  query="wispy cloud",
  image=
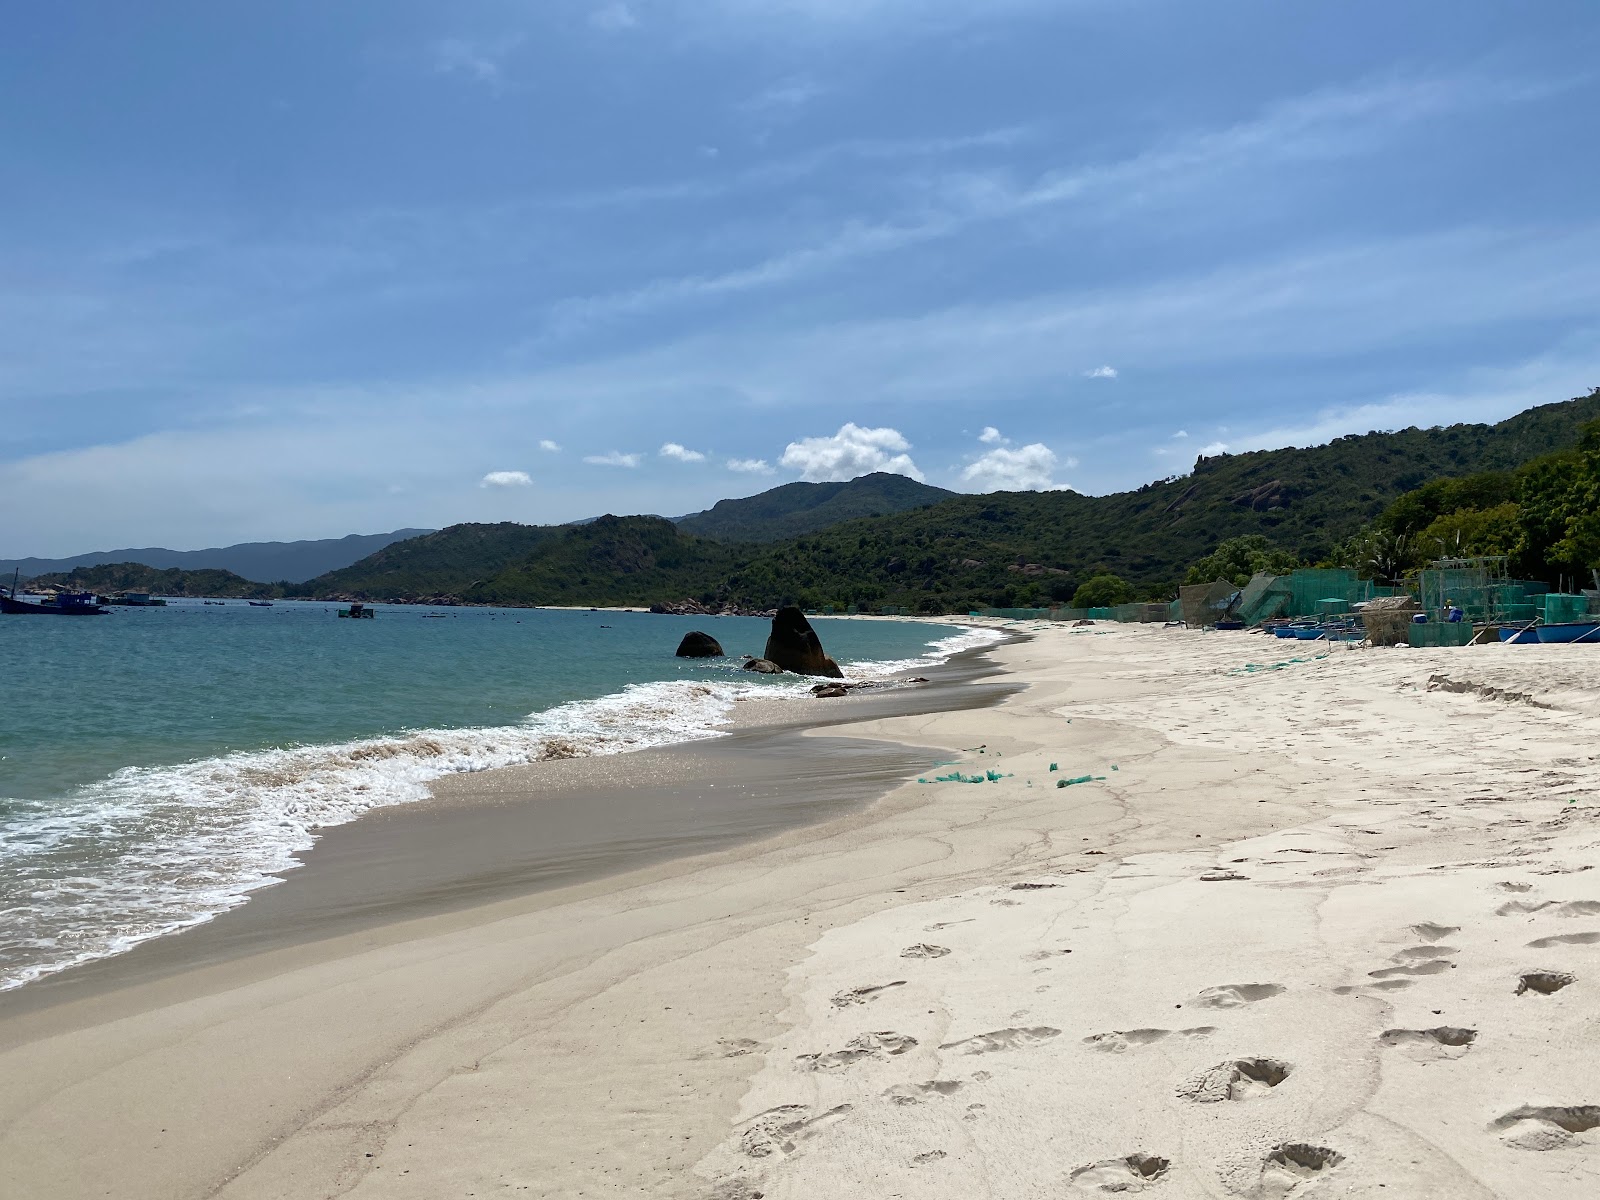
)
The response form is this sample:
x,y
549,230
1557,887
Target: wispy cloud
x,y
614,458
750,466
1325,124
613,18
479,59
1101,373
548,446
679,453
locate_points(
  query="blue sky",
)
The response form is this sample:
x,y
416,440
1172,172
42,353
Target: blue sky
x,y
304,269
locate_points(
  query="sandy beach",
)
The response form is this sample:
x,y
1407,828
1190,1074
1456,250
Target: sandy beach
x,y
1319,922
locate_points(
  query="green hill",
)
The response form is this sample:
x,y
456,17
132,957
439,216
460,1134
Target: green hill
x,y
800,508
136,577
1014,547
448,562
610,560
964,551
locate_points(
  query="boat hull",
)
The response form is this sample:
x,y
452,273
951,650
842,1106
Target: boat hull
x,y
1571,631
1518,637
21,608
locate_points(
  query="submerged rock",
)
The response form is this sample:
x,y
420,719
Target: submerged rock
x,y
762,666
699,645
794,646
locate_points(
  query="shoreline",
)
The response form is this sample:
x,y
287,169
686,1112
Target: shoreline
x,y
1011,988
467,844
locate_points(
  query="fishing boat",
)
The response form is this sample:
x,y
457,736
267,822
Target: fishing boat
x,y
356,609
1519,635
1570,631
134,600
62,604
259,603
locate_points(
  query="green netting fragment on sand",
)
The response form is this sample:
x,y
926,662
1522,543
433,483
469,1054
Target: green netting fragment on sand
x,y
1061,783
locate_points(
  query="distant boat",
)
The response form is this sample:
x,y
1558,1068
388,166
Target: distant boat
x,y
135,600
259,603
356,609
62,604
219,603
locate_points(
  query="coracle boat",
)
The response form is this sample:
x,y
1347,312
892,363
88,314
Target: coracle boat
x,y
1570,631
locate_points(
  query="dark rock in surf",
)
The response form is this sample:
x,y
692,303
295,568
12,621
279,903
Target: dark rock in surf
x,y
794,646
829,691
699,645
762,666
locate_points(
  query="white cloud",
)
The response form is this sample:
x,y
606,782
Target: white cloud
x,y
750,466
674,451
479,60
851,452
1182,433
1213,448
614,458
547,444
1101,373
1025,469
784,97
613,18
503,479
990,435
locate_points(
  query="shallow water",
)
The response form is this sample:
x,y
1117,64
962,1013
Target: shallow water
x,y
157,765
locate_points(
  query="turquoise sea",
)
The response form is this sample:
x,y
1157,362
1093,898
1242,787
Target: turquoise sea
x,y
159,764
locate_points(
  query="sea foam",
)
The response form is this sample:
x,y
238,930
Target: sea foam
x,y
152,850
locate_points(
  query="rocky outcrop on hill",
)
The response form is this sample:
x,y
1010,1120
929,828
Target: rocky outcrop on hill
x,y
699,645
794,646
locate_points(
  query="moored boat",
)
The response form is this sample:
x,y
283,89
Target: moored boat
x,y
1570,631
259,603
63,604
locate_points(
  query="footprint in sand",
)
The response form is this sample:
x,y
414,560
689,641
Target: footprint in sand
x,y
1544,982
926,1157
1442,1041
1120,1040
1002,1039
1233,995
1433,966
1578,908
1131,1174
863,994
1429,931
924,950
1517,908
866,1045
779,1131
1292,1164
1565,939
1424,952
1238,1079
1534,1127
916,1093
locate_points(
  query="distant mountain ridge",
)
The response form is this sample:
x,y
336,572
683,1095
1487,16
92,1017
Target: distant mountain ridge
x,y
794,509
260,562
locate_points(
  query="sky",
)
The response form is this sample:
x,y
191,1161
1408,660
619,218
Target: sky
x,y
304,269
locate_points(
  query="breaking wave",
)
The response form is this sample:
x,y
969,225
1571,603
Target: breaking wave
x,y
152,850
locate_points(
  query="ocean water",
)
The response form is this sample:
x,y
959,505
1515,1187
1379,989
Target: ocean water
x,y
157,765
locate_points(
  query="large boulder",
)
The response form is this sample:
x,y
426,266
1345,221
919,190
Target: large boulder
x,y
699,645
794,646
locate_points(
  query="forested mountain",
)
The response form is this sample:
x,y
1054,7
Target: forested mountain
x,y
800,508
108,578
610,560
1001,549
265,562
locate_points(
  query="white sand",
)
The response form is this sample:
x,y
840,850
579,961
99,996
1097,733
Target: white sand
x,y
1211,973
